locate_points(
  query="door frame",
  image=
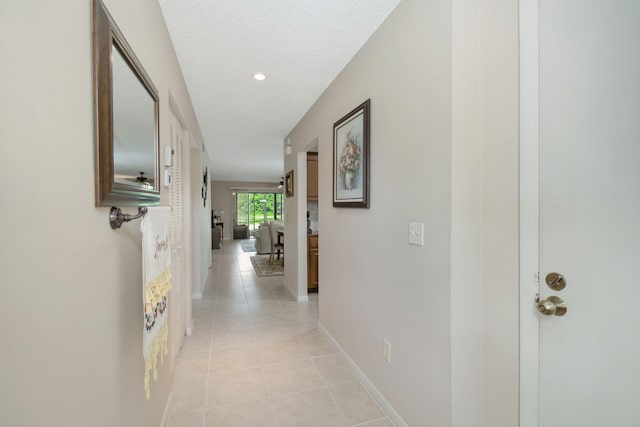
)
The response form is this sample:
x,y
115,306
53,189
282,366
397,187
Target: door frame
x,y
529,209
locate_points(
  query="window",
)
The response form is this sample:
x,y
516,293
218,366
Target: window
x,y
252,209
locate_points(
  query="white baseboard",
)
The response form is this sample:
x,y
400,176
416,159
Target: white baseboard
x,y
384,404
299,298
167,411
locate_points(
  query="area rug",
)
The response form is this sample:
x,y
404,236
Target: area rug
x,y
248,245
263,268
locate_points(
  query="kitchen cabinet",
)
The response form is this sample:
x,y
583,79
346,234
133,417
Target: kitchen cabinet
x,y
312,176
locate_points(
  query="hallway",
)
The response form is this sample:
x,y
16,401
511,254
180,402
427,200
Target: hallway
x,y
257,359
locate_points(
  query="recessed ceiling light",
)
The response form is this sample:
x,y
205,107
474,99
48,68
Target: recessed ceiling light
x,y
259,76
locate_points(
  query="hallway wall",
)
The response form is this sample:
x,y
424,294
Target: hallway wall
x,y
442,78
373,285
70,287
201,220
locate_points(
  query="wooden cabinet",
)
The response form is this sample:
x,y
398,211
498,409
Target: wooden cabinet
x,y
312,263
312,176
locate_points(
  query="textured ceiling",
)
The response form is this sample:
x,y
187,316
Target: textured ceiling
x,y
301,46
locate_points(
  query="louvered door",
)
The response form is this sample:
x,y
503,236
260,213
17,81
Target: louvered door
x,y
178,269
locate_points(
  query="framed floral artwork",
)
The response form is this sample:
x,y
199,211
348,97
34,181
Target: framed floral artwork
x,y
289,184
351,159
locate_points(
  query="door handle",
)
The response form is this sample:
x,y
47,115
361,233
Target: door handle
x,y
552,306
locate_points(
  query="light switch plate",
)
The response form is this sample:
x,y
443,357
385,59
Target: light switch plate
x,y
416,233
166,178
168,155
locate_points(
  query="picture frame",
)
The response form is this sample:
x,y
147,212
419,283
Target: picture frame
x,y
351,158
289,184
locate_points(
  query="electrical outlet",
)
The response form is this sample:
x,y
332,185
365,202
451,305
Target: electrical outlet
x,y
386,350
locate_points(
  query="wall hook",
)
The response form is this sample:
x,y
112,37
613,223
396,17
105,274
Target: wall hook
x,y
116,217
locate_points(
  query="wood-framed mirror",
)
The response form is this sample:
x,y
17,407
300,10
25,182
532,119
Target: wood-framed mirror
x,y
126,120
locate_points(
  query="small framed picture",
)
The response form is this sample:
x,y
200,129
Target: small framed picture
x,y
351,159
289,184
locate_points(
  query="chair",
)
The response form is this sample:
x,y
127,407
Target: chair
x,y
275,246
262,240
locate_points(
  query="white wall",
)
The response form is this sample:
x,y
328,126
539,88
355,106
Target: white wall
x,y
295,208
484,269
467,302
499,122
442,78
70,287
201,220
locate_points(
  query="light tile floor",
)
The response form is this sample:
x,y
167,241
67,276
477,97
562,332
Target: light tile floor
x,y
256,359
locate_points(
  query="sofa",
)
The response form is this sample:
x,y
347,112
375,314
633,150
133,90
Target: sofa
x,y
240,231
261,234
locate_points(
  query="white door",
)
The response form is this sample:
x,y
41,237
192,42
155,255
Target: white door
x,y
178,300
589,212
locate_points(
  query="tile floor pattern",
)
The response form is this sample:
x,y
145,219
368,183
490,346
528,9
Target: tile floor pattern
x,y
256,359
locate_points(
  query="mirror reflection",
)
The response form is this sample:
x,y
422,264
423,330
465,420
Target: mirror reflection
x,y
126,115
133,127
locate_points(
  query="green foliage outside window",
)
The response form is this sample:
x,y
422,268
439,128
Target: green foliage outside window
x,y
253,209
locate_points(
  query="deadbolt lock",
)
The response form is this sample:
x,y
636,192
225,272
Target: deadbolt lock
x,y
552,306
556,281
